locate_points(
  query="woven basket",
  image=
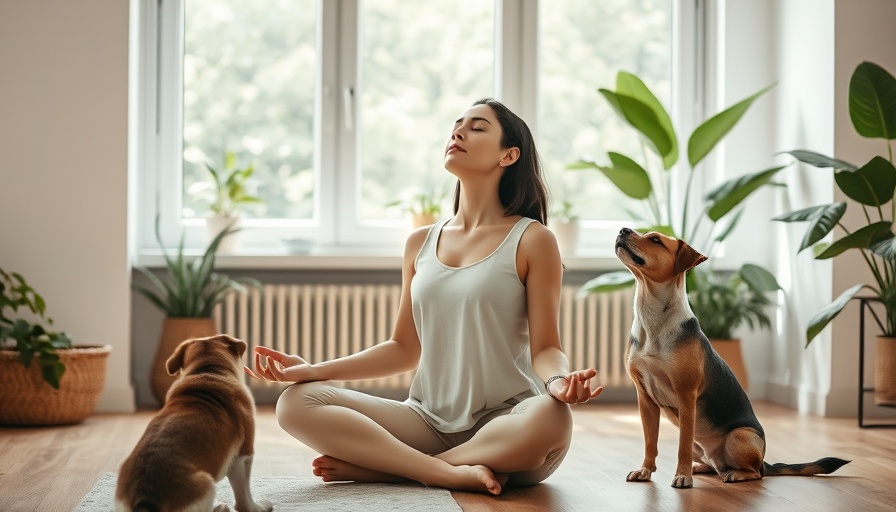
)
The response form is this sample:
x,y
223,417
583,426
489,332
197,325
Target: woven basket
x,y
885,371
27,399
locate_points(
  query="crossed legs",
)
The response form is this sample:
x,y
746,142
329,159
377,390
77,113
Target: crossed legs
x,y
374,439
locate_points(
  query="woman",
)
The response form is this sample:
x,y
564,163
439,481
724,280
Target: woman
x,y
478,320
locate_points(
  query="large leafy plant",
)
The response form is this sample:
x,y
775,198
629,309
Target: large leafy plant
x,y
872,109
193,288
29,338
652,182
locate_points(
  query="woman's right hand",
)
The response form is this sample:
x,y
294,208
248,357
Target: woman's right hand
x,y
277,366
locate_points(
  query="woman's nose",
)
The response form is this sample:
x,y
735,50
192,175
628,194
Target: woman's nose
x,y
457,135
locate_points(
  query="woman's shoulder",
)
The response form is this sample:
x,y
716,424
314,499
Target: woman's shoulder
x,y
537,239
415,241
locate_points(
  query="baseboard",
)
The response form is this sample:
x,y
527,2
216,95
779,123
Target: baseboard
x,y
834,403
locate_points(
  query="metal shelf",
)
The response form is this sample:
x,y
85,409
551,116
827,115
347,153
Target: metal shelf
x,y
865,303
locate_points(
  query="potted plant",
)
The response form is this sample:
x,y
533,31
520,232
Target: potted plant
x,y
423,207
565,225
227,192
637,106
725,303
34,360
188,298
872,110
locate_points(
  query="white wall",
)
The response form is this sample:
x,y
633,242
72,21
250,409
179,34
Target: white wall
x,y
64,173
820,44
749,148
800,377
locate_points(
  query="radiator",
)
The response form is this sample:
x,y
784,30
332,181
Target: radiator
x,y
321,322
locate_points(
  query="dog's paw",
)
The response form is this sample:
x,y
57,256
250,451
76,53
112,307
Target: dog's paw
x,y
221,507
640,475
740,475
701,468
683,481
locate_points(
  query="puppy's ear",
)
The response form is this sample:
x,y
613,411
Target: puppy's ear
x,y
176,361
238,347
686,258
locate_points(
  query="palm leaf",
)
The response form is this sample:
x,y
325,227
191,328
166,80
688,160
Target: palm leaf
x,y
872,101
642,118
822,221
872,184
758,278
886,248
708,134
824,316
863,238
631,85
818,160
731,193
609,282
729,226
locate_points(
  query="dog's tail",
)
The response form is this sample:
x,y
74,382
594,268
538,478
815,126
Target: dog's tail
x,y
819,467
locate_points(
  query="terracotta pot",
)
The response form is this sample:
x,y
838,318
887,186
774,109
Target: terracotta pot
x,y
730,352
27,399
174,331
885,371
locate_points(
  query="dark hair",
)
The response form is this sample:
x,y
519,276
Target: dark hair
x,y
522,189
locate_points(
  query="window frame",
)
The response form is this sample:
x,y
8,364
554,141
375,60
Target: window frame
x,y
337,178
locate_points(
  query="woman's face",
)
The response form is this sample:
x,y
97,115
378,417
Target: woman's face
x,y
475,143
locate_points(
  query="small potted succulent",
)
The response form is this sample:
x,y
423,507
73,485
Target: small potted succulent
x,y
425,208
225,194
44,379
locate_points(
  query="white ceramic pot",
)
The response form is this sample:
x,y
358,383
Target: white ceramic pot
x,y
567,234
217,224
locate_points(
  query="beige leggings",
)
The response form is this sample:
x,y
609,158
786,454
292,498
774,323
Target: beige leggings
x,y
527,441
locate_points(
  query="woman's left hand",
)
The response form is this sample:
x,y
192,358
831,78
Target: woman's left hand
x,y
575,388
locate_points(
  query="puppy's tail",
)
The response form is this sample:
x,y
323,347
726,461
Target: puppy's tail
x,y
819,467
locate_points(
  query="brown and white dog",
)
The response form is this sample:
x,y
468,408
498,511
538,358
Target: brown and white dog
x,y
676,371
205,430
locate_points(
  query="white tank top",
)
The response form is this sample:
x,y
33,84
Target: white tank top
x,y
474,335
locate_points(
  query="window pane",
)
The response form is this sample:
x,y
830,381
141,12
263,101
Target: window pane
x,y
582,45
249,88
421,65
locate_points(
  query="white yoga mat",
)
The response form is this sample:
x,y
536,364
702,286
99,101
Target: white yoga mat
x,y
303,493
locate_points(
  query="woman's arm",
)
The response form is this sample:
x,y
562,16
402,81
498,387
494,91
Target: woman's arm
x,y
399,354
542,270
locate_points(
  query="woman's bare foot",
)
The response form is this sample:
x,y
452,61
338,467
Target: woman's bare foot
x,y
462,478
478,479
330,469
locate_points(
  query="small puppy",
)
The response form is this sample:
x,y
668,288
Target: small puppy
x,y
206,430
676,371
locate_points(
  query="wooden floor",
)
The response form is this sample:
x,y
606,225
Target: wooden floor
x,y
50,469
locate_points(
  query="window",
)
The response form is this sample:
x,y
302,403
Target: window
x,y
343,106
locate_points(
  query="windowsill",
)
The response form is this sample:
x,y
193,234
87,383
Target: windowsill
x,y
345,258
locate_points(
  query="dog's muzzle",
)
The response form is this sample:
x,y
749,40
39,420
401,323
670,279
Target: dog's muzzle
x,y
621,240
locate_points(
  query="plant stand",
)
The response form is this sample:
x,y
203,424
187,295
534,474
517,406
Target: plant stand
x,y
865,303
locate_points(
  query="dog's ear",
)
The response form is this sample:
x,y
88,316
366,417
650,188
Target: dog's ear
x,y
238,347
176,361
686,258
